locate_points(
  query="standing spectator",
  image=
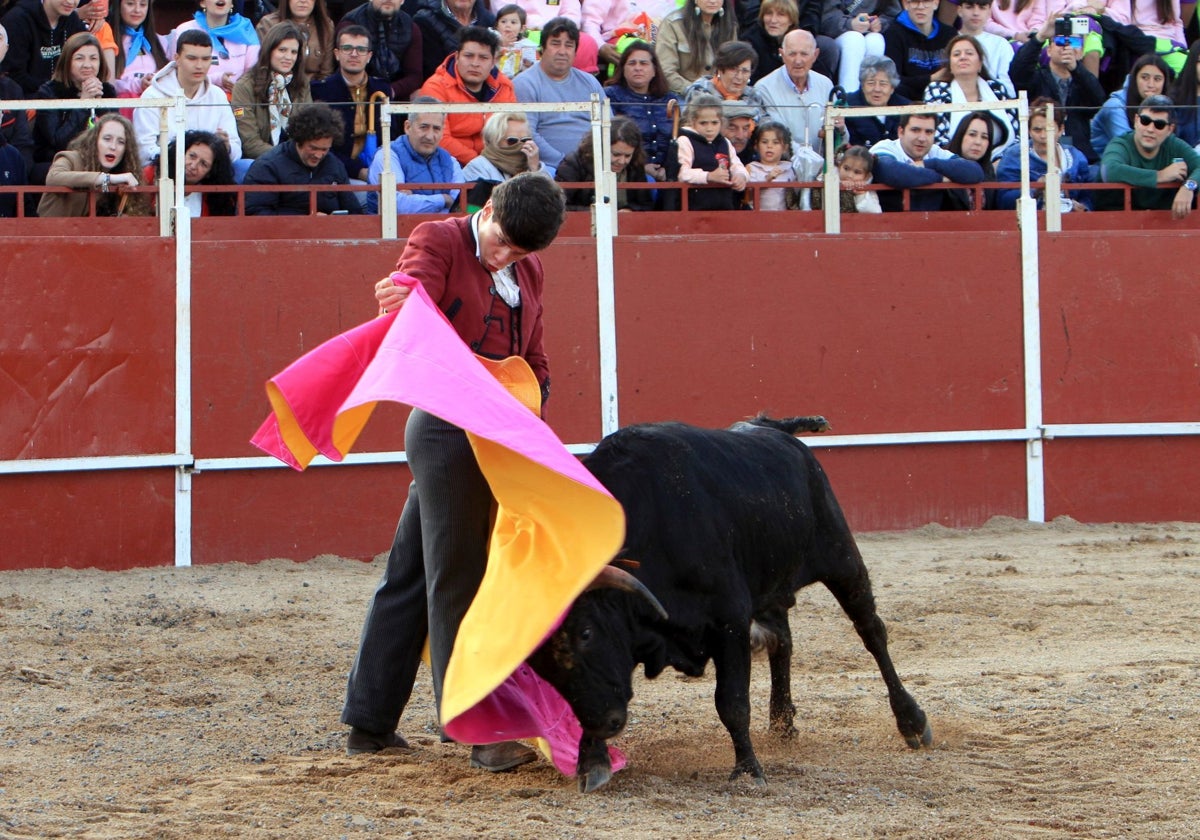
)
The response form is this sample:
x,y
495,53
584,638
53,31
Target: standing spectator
x,y
554,79
877,87
469,75
858,27
397,45
964,78
187,76
1148,77
627,161
1186,93
103,159
16,132
141,51
688,39
313,19
1064,79
1070,162
36,34
418,158
439,23
349,91
235,43
263,98
81,74
206,163
730,80
916,41
914,160
973,140
973,18
795,94
706,157
1162,168
638,90
302,159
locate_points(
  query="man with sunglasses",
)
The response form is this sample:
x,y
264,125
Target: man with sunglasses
x,y
469,75
1162,168
349,92
483,273
1064,79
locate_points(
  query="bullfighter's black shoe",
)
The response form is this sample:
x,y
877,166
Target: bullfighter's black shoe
x,y
361,741
496,758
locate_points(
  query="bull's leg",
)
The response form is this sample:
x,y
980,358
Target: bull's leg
x,y
594,767
730,646
853,592
779,656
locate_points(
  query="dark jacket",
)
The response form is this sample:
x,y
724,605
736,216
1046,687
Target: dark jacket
x,y
917,56
282,165
439,32
867,131
650,114
1084,96
397,49
334,90
15,128
12,174
904,176
34,47
53,130
571,169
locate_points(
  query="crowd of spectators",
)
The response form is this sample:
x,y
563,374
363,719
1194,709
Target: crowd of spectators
x,y
722,96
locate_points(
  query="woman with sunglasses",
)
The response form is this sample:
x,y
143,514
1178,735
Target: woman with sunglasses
x,y
508,150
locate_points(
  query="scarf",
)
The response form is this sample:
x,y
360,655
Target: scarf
x,y
138,43
279,104
509,161
238,30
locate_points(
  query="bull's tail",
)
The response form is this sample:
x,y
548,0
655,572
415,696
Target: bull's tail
x,y
790,425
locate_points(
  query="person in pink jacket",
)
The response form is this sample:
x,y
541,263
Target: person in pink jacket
x,y
141,51
235,43
539,12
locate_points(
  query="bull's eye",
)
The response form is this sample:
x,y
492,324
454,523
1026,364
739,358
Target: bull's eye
x,y
585,635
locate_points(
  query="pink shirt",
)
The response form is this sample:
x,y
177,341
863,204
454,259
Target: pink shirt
x,y
1009,22
1144,15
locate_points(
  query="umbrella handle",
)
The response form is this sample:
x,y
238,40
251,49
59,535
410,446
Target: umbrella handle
x,y
673,116
376,96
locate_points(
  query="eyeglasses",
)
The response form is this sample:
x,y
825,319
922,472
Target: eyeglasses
x,y
1159,124
509,142
349,50
739,71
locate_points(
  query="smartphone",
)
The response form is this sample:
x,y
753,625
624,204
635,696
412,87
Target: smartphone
x,y
340,213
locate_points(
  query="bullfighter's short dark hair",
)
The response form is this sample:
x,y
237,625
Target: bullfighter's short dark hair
x,y
530,208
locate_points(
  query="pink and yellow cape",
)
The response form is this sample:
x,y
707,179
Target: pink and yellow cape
x,y
556,526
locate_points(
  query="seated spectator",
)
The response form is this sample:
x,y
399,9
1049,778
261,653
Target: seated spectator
x,y
397,45
517,51
508,150
1164,21
235,43
688,39
776,18
37,32
608,23
187,76
706,157
355,95
141,51
1063,79
417,157
964,78
854,167
877,87
81,74
313,20
739,131
469,75
303,159
94,16
638,90
12,174
1186,94
206,163
554,79
263,98
730,81
627,160
103,159
973,19
795,94
540,12
1163,169
16,131
973,140
439,23
1148,77
773,150
916,42
1016,20
858,27
914,160
1072,165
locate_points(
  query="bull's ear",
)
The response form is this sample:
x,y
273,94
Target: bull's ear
x,y
627,562
614,578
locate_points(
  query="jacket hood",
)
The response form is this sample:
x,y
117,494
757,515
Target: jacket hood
x,y
904,20
166,83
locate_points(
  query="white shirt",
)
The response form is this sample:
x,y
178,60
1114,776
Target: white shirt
x,y
505,279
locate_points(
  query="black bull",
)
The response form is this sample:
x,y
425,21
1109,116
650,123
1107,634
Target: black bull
x,y
724,527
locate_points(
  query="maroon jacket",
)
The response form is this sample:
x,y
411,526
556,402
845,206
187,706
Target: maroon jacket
x,y
441,254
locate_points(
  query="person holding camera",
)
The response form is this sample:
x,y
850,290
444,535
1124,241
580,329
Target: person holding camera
x,y
1064,79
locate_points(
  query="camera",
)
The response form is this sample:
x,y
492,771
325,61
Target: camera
x,y
1072,26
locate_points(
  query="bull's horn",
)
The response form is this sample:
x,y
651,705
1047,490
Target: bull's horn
x,y
612,577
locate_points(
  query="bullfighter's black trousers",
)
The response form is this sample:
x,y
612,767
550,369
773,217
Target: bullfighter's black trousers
x,y
435,567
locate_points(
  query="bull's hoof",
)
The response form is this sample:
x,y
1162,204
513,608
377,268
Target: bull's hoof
x,y
924,740
784,730
595,778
